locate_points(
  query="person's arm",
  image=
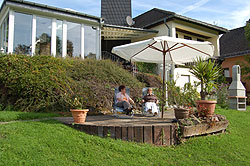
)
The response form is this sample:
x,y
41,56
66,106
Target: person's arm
x,y
156,100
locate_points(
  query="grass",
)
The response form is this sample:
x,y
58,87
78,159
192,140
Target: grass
x,y
6,116
51,143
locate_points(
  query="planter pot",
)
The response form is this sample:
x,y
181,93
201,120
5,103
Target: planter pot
x,y
206,107
181,113
79,115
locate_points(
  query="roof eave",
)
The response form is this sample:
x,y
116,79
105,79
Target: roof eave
x,y
176,16
33,4
131,28
221,30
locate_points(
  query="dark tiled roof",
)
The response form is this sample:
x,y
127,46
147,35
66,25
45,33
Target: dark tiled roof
x,y
115,11
156,16
150,17
234,43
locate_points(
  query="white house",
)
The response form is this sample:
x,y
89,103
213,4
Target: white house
x,y
171,24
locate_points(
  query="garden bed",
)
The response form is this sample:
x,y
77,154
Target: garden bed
x,y
201,126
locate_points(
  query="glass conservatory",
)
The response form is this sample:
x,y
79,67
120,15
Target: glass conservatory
x,y
35,29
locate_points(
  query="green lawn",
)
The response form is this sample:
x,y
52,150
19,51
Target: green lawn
x,y
6,116
52,143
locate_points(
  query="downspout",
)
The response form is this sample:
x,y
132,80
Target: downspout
x,y
165,22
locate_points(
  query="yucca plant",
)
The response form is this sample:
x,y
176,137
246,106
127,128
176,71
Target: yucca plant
x,y
207,71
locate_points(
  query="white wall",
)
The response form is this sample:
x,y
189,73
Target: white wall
x,y
180,76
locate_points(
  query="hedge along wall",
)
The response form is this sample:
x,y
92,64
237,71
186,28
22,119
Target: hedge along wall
x,y
46,83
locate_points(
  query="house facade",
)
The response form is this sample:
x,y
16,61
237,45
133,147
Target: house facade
x,y
234,47
171,24
153,23
30,28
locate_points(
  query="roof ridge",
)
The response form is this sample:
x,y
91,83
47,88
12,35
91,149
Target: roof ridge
x,y
163,10
237,28
156,9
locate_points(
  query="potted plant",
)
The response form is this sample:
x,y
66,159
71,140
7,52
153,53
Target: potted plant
x,y
79,114
207,72
181,99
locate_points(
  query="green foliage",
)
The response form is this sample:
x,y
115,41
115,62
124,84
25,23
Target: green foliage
x,y
247,32
33,83
146,67
52,143
245,67
182,97
207,72
222,95
46,83
95,82
6,116
151,80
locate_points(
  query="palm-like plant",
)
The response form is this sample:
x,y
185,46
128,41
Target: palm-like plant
x,y
207,72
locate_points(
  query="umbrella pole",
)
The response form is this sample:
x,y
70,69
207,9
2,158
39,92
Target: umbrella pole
x,y
164,84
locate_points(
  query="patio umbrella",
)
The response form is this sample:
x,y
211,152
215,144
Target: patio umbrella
x,y
164,49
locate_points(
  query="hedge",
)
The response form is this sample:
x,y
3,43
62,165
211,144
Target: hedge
x,y
46,83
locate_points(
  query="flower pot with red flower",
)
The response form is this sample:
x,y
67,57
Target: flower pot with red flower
x,y
181,98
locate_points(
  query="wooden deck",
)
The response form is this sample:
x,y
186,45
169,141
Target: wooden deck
x,y
143,129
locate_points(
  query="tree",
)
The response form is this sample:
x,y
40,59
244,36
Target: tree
x,y
245,66
247,32
207,72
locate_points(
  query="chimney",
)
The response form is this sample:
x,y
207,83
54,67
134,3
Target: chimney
x,y
115,11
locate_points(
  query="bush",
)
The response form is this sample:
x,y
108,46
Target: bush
x,y
182,97
33,83
150,80
146,67
46,83
96,81
222,95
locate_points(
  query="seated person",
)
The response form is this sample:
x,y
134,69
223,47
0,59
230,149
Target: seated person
x,y
123,100
150,101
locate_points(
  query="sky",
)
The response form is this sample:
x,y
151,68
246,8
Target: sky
x,y
229,14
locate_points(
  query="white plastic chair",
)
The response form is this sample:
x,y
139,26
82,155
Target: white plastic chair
x,y
117,109
144,93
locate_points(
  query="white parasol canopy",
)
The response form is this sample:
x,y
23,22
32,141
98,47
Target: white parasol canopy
x,y
181,50
165,49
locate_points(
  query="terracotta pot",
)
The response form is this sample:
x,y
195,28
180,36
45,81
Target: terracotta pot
x,y
181,113
206,107
79,115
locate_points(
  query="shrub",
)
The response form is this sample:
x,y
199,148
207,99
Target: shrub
x,y
150,80
33,83
46,83
96,80
146,67
182,97
222,95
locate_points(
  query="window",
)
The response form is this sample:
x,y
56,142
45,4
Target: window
x,y
4,34
226,72
43,36
90,40
201,40
59,36
22,33
187,37
73,39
